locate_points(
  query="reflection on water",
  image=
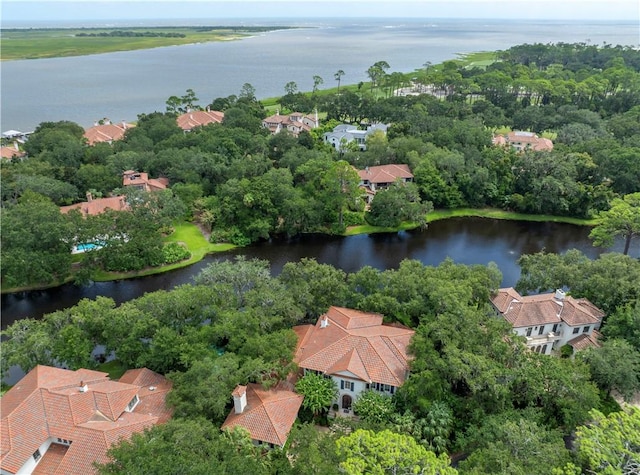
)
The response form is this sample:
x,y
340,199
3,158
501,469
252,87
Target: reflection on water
x,y
465,240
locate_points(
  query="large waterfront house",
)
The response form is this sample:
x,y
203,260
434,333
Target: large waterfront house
x,y
106,132
294,123
373,179
522,141
550,321
59,422
345,134
95,206
357,351
197,118
267,414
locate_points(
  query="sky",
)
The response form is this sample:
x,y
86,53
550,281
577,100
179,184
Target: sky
x,y
28,11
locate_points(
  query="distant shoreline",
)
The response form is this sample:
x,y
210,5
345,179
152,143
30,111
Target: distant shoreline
x,y
44,42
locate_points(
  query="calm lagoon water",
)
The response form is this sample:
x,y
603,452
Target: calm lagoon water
x,y
122,85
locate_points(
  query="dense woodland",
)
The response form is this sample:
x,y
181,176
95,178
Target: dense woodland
x,y
475,393
244,185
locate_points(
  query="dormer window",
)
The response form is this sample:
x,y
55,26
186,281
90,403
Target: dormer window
x,y
132,404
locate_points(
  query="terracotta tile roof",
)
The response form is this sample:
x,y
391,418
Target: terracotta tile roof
x,y
268,415
49,404
11,152
142,180
527,140
51,460
542,309
385,173
357,342
193,119
106,132
97,205
584,341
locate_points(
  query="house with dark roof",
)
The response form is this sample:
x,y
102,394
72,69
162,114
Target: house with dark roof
x,y
357,351
344,134
522,141
196,118
550,321
59,422
294,123
106,132
267,414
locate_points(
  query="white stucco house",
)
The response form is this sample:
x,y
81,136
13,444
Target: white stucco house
x,y
357,351
344,134
550,321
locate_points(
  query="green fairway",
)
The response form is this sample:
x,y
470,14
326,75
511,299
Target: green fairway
x,y
52,43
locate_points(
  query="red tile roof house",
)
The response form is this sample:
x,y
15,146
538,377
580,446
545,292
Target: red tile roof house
x,y
357,351
11,152
379,177
522,141
93,207
143,182
550,321
193,119
56,421
295,123
106,132
268,414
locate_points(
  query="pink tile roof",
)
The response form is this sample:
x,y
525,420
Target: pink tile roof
x,y
544,308
357,342
385,173
97,205
106,132
47,403
269,413
193,119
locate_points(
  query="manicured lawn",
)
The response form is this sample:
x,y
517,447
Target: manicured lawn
x,y
470,212
186,233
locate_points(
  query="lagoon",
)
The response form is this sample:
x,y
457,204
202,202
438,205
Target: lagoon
x,y
464,240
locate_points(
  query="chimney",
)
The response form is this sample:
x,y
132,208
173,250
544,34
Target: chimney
x,y
89,197
559,294
83,387
239,398
324,322
15,145
124,125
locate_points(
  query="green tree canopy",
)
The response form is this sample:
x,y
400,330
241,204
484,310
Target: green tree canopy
x,y
380,453
622,219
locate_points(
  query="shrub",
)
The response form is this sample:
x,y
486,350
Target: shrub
x,y
174,252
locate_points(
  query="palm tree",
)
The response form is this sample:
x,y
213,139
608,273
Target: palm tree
x,y
337,76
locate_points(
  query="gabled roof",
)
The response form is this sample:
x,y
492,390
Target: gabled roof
x,y
545,308
349,340
49,403
142,180
585,340
269,413
98,205
193,119
385,173
106,132
528,139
